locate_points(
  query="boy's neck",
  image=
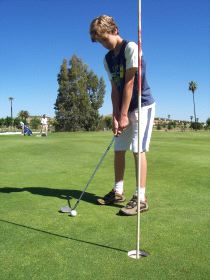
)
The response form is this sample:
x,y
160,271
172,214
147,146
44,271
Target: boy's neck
x,y
117,48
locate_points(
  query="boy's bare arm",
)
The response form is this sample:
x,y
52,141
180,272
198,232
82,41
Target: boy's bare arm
x,y
127,95
116,108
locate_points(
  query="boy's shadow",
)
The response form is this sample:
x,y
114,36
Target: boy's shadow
x,y
59,193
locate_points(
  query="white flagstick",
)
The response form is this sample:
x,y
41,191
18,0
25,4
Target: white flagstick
x,y
136,254
139,130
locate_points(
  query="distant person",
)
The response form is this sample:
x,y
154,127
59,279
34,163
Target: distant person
x,y
121,64
22,127
25,129
44,124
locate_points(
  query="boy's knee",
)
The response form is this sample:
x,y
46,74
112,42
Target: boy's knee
x,y
120,153
142,155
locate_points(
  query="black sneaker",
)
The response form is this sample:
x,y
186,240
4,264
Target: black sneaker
x,y
131,208
111,198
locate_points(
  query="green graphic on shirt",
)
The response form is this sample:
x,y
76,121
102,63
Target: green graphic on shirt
x,y
122,72
118,74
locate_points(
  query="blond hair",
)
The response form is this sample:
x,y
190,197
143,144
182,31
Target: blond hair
x,y
101,26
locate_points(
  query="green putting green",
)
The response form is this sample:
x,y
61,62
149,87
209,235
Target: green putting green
x,y
37,242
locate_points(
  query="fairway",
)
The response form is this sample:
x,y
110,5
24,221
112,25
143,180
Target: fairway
x,y
38,243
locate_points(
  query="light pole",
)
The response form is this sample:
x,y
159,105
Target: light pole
x,y
11,100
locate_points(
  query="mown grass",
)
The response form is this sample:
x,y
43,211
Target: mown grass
x,y
37,242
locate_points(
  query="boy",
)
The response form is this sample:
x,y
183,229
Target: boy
x,y
121,64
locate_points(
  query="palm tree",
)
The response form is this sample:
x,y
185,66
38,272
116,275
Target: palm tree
x,y
191,118
11,99
193,87
23,115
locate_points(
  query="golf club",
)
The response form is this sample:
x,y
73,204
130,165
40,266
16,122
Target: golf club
x,y
72,210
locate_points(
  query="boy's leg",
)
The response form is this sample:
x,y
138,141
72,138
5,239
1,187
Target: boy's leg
x,y
143,178
116,194
131,208
122,144
119,169
147,118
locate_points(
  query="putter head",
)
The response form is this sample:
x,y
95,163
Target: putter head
x,y
65,209
68,208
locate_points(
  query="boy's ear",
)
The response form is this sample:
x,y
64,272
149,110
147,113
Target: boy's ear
x,y
116,32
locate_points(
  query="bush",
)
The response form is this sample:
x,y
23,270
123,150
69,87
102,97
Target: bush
x,y
35,123
108,122
8,121
158,127
208,123
1,121
16,122
196,126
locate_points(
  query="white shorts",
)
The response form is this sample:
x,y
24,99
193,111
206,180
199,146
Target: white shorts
x,y
128,140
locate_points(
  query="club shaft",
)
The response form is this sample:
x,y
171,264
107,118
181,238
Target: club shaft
x,y
94,172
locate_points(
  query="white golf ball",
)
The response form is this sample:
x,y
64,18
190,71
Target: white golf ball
x,y
73,213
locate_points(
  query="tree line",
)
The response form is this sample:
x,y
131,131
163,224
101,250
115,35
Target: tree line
x,y
22,117
181,125
80,96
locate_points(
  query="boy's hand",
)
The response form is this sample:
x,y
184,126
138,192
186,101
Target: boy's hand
x,y
115,125
123,123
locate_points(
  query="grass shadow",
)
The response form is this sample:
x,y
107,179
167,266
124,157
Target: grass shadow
x,y
63,236
59,193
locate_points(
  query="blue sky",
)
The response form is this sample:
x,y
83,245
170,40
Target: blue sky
x,y
36,35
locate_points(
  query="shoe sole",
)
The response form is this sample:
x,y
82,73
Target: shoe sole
x,y
101,201
121,212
